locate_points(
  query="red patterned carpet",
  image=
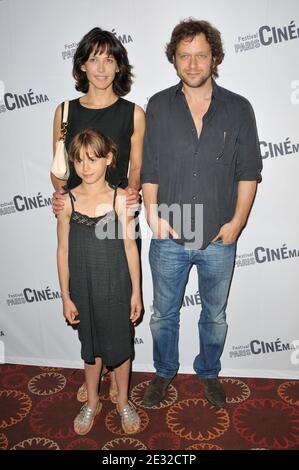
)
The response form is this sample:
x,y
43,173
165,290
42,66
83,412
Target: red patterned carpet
x,y
38,405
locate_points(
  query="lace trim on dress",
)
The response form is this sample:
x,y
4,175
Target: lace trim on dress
x,y
84,219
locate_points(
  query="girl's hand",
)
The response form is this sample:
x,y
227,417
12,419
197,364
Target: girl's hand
x,y
70,312
136,307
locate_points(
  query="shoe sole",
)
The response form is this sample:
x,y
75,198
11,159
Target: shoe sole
x,y
214,404
151,404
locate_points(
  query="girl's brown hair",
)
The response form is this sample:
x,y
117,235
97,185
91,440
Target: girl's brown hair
x,y
92,139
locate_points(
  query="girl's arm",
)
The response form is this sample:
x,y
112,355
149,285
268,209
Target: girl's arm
x,y
129,234
63,227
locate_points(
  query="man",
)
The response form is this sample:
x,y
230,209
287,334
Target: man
x,y
201,150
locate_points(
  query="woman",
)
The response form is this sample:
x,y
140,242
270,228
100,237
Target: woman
x,y
102,72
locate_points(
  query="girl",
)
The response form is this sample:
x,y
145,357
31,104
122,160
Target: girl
x,y
103,74
99,275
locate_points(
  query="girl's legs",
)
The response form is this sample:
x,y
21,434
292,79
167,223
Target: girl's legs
x,y
113,390
82,390
92,378
122,373
129,417
84,420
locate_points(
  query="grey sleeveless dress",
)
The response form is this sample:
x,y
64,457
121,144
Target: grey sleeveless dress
x,y
100,287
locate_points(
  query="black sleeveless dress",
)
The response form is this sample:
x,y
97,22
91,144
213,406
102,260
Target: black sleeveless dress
x,y
100,287
115,121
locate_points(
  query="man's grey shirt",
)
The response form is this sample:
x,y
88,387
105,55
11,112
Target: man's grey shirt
x,y
204,170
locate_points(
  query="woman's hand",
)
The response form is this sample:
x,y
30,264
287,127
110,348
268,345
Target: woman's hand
x,y
70,312
58,201
133,200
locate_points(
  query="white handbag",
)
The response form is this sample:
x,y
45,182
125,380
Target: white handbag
x,y
60,164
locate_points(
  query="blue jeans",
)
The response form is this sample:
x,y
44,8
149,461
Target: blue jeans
x,y
170,265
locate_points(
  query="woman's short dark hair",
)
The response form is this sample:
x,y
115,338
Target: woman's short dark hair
x,y
92,139
189,28
96,41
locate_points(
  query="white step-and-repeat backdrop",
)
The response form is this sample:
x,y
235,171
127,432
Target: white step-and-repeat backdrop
x,y
37,41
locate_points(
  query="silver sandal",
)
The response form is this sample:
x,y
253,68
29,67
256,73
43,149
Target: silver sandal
x,y
130,420
85,418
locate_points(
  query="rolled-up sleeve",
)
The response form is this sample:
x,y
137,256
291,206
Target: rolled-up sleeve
x,y
150,170
249,160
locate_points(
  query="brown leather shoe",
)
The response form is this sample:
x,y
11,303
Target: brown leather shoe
x,y
214,392
156,390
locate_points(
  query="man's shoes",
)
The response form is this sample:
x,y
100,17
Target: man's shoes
x,y
214,392
156,390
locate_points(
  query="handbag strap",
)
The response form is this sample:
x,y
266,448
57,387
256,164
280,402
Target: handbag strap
x,y
65,112
63,129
